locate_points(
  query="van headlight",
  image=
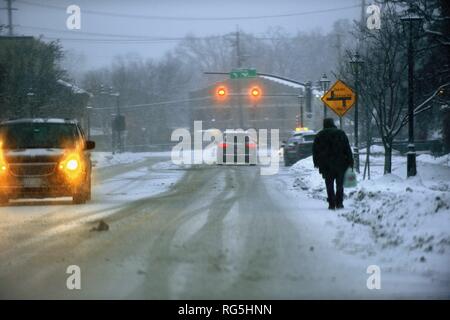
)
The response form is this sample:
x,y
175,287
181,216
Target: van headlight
x,y
72,165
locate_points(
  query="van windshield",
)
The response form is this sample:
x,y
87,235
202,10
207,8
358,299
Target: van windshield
x,y
38,135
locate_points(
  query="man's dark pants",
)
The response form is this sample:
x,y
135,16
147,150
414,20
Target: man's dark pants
x,y
335,199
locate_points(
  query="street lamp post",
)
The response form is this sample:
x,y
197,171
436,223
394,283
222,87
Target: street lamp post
x,y
356,62
324,83
410,24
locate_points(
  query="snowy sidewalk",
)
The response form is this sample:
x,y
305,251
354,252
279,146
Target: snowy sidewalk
x,y
402,223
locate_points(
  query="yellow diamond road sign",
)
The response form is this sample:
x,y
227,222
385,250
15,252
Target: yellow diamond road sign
x,y
340,98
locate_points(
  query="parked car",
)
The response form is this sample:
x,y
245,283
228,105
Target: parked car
x,y
42,158
298,146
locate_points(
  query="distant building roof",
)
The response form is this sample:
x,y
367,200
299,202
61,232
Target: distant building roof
x,y
284,82
315,92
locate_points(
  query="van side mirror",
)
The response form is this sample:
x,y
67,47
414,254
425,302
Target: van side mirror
x,y
90,145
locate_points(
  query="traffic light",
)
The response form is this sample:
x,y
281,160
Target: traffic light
x,y
255,93
221,92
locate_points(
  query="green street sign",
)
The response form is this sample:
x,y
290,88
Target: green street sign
x,y
243,73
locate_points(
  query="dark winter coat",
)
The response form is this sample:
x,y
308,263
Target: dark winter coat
x,y
331,151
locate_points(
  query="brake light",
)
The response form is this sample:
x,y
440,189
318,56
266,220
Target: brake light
x,y
250,145
223,145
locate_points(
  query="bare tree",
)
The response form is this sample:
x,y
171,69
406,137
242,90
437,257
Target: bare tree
x,y
383,78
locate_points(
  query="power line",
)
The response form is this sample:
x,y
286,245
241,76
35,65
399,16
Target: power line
x,y
154,104
85,32
112,41
186,18
129,38
116,38
133,41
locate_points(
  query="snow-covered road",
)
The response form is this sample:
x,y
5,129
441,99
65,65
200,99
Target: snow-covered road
x,y
200,232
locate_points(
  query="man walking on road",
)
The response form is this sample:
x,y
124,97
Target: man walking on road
x,y
332,155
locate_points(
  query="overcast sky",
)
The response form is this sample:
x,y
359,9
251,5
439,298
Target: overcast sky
x,y
102,22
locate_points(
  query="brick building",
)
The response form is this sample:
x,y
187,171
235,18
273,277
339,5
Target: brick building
x,y
278,107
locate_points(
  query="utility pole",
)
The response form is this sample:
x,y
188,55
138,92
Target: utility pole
x,y
10,23
238,49
238,81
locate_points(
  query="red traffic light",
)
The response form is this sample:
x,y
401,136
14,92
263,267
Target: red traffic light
x,y
221,92
255,92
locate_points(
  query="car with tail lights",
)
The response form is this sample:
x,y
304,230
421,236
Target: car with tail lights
x,y
298,146
238,147
41,158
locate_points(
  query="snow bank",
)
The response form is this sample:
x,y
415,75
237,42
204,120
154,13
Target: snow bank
x,y
106,159
407,218
374,149
308,178
402,212
443,160
377,150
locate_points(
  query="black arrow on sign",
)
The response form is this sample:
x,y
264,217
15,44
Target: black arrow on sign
x,y
343,99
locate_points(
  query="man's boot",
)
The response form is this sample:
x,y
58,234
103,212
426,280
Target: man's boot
x,y
331,205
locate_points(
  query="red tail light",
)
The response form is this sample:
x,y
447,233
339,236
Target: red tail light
x,y
250,145
223,145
